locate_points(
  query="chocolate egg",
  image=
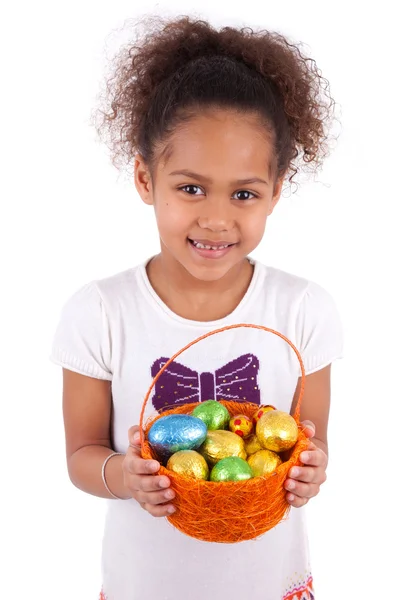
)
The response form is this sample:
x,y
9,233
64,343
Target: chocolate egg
x,y
213,413
231,468
277,431
221,444
264,462
176,432
241,425
188,463
261,411
252,445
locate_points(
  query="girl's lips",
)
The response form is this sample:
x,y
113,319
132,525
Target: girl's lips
x,y
195,241
213,254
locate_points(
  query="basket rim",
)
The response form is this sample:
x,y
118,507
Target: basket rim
x,y
215,332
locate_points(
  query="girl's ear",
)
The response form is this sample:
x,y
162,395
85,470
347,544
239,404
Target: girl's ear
x,y
143,180
276,195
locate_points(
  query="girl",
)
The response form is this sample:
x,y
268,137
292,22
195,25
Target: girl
x,y
213,121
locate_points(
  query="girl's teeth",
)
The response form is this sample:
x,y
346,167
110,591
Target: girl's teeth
x,y
204,247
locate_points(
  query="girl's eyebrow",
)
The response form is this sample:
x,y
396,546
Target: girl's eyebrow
x,y
199,177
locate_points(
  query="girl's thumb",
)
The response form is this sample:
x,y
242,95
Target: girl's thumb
x,y
134,436
308,428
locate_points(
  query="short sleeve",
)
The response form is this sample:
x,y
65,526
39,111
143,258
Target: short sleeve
x,y
319,330
82,339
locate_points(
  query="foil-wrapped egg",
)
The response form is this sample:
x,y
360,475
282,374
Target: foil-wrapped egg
x,y
241,425
172,433
261,411
264,462
231,468
221,444
252,445
213,413
188,463
277,431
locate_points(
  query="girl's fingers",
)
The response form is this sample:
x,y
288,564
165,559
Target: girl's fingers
x,y
139,466
304,490
308,474
144,483
314,458
154,498
295,501
161,510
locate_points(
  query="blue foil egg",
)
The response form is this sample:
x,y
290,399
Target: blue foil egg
x,y
176,432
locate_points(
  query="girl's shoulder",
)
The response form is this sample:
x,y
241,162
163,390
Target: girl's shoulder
x,y
98,298
120,282
290,288
306,311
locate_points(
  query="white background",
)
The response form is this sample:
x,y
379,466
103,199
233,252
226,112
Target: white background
x,y
66,218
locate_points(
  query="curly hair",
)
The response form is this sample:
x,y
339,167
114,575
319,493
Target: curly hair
x,y
174,67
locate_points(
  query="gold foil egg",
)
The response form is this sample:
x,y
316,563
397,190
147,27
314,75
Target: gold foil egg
x,y
241,425
264,462
261,411
188,463
221,444
252,445
277,431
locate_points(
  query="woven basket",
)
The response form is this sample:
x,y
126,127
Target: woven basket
x,y
227,512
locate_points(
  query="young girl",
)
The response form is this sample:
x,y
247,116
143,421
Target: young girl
x,y
213,121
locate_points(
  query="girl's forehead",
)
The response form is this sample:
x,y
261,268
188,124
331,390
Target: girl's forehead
x,y
221,142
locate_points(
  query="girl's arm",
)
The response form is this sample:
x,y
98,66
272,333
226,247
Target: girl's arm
x,y
316,404
87,406
304,482
87,419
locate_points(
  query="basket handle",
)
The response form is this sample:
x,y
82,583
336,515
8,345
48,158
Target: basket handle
x,y
203,337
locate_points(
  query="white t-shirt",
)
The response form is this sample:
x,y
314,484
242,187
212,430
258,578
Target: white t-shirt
x,y
118,329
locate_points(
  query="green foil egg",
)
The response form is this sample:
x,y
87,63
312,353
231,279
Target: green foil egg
x,y
231,468
213,414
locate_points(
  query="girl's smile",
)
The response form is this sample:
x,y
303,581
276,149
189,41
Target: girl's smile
x,y
210,248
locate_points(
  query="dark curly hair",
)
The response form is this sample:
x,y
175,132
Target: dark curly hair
x,y
174,67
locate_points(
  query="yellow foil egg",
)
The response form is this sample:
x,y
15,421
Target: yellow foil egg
x,y
252,445
264,462
261,411
220,444
277,431
241,425
188,463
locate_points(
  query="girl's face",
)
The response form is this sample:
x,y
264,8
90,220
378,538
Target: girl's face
x,y
212,193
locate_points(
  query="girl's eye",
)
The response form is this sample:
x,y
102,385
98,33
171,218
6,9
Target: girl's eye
x,y
190,189
247,195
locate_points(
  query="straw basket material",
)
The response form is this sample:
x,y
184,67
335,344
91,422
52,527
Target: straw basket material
x,y
228,512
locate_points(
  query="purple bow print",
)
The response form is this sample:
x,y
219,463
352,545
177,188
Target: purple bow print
x,y
178,384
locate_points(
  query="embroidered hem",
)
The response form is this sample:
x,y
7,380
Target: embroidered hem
x,y
304,591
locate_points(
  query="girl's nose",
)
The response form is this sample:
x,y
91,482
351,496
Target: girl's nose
x,y
216,216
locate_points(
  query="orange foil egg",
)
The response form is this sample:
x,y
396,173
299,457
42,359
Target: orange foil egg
x,y
241,425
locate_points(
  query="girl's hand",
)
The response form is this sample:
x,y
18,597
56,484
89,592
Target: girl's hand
x,y
304,482
152,492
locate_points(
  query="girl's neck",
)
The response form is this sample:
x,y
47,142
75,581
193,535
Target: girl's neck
x,y
198,300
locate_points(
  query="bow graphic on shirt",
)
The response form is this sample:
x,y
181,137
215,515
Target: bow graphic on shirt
x,y
237,380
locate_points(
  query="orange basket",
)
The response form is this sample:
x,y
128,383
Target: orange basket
x,y
227,512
